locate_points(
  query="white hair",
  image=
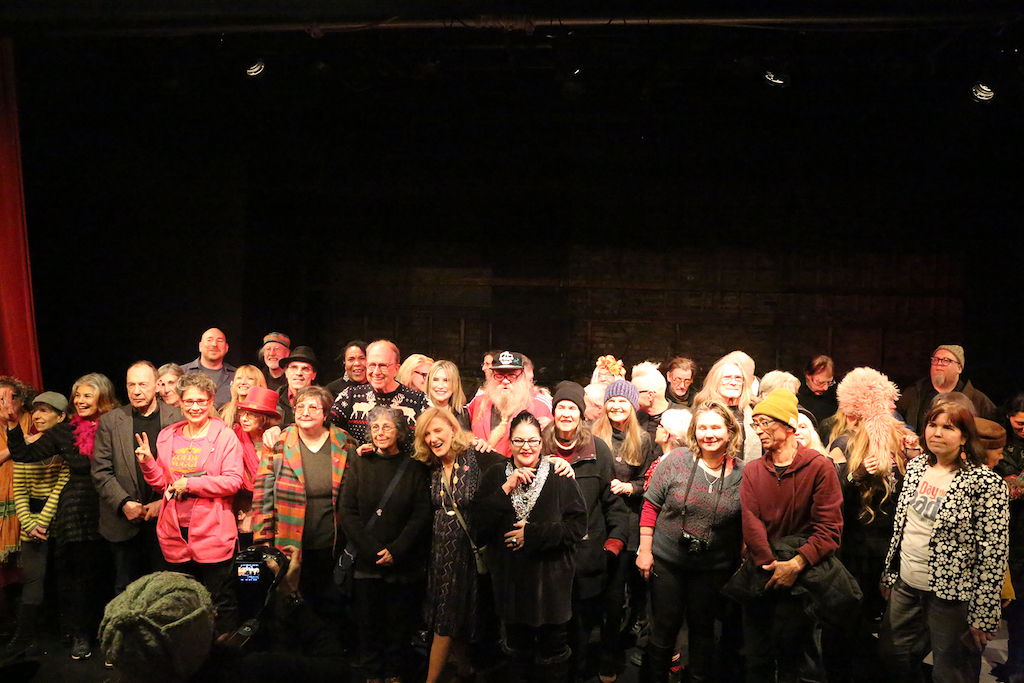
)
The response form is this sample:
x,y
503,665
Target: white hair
x,y
646,377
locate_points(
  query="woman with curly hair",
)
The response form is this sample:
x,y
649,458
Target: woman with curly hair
x,y
947,557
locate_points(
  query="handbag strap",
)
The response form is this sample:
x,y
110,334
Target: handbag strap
x,y
455,507
387,494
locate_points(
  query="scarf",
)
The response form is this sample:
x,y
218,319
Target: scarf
x,y
85,435
524,497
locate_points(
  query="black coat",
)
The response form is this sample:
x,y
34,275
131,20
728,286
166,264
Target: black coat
x,y
532,585
607,514
402,527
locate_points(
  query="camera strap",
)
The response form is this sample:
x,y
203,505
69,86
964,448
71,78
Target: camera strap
x,y
455,507
718,498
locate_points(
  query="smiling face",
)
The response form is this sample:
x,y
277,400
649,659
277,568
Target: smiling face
x,y
167,388
355,364
943,438
440,389
384,435
299,375
309,415
618,409
525,443
439,437
243,383
731,384
196,404
45,416
712,434
86,401
274,352
381,368
213,346
141,384
252,423
567,418
1017,424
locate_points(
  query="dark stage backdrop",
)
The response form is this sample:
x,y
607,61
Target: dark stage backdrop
x,y
457,197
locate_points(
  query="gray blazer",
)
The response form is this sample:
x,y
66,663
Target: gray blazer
x,y
114,470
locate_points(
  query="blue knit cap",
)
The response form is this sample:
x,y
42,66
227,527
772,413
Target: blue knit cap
x,y
626,390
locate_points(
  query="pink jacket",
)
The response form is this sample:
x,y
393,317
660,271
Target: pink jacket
x,y
212,534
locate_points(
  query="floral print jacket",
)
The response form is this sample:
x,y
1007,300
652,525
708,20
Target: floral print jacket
x,y
969,543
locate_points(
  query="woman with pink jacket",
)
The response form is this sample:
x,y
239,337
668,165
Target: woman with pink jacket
x,y
198,468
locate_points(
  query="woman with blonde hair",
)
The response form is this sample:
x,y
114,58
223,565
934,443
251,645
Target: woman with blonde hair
x,y
413,372
246,377
444,390
458,598
729,383
633,453
868,446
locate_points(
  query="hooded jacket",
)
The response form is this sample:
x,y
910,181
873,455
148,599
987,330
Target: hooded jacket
x,y
805,500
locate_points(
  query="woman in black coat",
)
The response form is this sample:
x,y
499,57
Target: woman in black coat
x,y
531,521
569,437
391,540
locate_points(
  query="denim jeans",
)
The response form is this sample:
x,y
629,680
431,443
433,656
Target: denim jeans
x,y
917,621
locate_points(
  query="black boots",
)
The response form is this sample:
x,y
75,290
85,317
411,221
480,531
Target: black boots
x,y
24,635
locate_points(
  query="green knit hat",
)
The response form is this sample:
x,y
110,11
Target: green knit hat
x,y
159,630
781,404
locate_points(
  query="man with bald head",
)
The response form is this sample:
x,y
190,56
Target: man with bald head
x,y
213,346
381,389
947,364
128,505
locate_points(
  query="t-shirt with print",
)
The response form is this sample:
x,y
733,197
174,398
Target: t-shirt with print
x,y
184,460
915,550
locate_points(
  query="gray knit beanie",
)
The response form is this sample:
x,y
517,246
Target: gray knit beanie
x,y
159,630
626,390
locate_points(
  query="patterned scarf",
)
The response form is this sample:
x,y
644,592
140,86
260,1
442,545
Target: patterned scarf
x,y
524,496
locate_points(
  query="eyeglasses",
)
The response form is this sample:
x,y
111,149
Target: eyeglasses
x,y
532,443
311,409
822,384
763,425
732,379
421,374
198,402
943,362
373,367
512,375
382,429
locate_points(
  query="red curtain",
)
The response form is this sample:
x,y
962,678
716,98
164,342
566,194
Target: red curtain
x,y
19,348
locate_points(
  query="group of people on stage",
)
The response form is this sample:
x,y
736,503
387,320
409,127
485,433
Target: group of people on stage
x,y
793,528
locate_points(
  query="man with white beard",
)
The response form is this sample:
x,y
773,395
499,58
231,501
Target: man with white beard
x,y
506,393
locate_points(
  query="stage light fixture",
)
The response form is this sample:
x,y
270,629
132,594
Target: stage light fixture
x,y
256,69
982,92
776,79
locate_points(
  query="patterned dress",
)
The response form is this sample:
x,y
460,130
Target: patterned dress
x,y
456,594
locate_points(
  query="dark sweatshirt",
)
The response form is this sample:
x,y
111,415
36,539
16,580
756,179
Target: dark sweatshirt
x,y
806,499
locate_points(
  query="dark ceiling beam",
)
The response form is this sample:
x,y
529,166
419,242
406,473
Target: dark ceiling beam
x,y
195,17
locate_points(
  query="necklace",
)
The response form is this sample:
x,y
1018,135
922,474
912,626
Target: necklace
x,y
524,497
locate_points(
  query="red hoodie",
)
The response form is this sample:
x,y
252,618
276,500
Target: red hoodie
x,y
806,500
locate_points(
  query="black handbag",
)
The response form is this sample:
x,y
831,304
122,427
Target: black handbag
x,y
345,569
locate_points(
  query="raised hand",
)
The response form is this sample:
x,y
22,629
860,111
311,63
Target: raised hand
x,y
143,453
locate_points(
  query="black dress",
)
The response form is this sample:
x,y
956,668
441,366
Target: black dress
x,y
457,604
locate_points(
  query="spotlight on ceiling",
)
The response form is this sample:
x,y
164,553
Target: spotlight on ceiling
x,y
256,69
776,79
982,92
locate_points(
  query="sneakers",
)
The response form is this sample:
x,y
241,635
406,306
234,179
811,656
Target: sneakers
x,y
80,648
